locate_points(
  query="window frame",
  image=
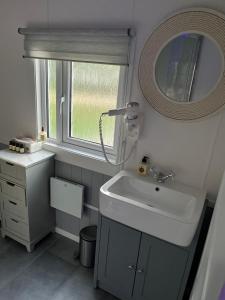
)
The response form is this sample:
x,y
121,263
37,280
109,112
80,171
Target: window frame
x,y
63,89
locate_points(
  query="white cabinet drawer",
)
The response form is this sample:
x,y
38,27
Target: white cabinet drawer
x,y
13,191
15,208
17,227
10,170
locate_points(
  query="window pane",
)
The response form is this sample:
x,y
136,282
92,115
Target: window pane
x,y
52,99
94,90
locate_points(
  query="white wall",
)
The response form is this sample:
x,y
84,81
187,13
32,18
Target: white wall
x,y
195,151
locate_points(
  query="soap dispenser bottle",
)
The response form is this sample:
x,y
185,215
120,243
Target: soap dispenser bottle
x,y
43,134
143,167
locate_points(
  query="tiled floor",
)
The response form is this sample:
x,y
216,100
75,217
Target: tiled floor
x,y
49,272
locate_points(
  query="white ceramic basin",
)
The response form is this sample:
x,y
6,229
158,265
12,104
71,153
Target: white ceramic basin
x,y
169,211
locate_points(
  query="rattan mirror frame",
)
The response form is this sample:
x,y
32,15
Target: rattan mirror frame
x,y
204,21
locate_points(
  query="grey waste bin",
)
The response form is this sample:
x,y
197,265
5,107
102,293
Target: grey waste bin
x,y
87,246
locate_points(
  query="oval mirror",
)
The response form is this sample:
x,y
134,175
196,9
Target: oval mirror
x,y
181,68
189,67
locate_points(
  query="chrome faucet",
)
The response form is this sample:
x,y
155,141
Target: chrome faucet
x,y
159,176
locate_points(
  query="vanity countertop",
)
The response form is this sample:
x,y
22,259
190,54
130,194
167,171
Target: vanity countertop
x,y
25,160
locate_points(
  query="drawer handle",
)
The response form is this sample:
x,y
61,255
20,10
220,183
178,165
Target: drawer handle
x,y
14,220
14,203
131,267
10,183
10,164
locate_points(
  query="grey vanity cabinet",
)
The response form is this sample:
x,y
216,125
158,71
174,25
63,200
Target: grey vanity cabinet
x,y
133,265
118,255
26,215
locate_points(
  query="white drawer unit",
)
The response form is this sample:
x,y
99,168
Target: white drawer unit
x,y
24,196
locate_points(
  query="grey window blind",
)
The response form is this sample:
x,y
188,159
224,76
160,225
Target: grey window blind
x,y
87,45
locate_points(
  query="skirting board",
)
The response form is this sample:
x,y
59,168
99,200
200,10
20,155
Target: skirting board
x,y
67,234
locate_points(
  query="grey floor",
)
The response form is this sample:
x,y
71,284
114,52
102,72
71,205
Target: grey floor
x,y
49,272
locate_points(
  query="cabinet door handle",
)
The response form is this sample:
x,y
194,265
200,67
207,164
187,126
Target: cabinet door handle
x,y
10,183
131,267
14,203
140,270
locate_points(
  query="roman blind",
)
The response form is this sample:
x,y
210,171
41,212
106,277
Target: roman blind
x,y
86,45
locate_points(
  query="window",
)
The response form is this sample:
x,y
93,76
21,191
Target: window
x,y
73,96
80,73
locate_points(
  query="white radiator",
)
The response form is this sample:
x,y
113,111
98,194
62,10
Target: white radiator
x,y
67,196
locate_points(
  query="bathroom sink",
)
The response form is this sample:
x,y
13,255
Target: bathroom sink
x,y
169,211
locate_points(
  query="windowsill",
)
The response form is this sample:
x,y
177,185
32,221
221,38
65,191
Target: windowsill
x,y
81,159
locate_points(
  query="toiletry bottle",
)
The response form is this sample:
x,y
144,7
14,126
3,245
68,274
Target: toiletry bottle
x,y
43,134
13,145
17,147
144,166
22,150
